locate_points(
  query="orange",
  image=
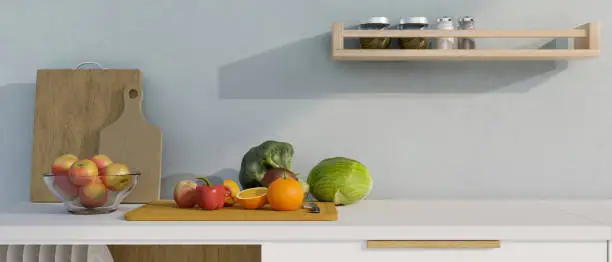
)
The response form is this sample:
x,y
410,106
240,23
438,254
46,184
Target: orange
x,y
285,194
252,198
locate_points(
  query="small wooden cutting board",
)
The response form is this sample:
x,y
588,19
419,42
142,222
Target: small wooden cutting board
x,y
166,210
131,140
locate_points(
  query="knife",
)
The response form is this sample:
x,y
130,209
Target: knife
x,y
314,208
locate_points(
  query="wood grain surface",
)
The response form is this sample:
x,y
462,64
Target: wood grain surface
x,y
462,55
131,140
586,37
72,106
592,42
166,210
186,253
480,33
433,244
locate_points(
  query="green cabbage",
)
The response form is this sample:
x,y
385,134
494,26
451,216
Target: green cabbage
x,y
340,180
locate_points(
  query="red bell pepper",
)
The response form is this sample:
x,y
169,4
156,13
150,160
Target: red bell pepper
x,y
210,197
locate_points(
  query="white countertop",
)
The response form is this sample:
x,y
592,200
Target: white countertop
x,y
33,223
598,210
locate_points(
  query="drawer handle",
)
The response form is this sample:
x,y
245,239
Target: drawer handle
x,y
433,244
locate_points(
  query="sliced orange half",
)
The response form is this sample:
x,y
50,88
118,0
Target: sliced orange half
x,y
253,198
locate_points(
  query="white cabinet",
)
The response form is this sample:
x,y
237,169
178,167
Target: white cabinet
x,y
509,251
529,231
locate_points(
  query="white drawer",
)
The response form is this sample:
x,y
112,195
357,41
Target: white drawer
x,y
508,251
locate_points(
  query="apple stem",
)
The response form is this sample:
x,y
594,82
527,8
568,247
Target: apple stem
x,y
204,179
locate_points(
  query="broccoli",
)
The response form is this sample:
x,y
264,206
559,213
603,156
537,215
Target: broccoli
x,y
257,161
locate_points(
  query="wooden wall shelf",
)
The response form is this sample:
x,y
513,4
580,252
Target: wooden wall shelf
x,y
585,37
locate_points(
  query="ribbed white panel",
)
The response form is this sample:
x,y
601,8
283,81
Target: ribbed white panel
x,y
55,253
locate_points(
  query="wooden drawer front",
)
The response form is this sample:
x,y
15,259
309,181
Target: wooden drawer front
x,y
506,251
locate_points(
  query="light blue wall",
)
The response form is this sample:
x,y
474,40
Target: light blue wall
x,y
221,76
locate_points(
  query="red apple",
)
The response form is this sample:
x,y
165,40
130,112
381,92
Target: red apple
x,y
93,195
275,173
60,168
61,165
116,177
63,185
83,172
101,161
185,194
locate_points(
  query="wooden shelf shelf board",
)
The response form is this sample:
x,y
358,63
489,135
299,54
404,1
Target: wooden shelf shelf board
x,y
572,33
430,54
586,45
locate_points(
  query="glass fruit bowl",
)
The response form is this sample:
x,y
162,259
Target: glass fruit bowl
x,y
91,195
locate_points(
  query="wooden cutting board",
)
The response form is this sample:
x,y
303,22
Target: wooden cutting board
x,y
131,140
166,210
72,106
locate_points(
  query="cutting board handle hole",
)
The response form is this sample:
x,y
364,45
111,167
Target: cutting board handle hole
x,y
133,93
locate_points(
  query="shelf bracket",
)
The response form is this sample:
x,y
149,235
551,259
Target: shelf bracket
x,y
337,38
591,41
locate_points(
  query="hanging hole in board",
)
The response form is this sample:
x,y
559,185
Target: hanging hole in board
x,y
133,93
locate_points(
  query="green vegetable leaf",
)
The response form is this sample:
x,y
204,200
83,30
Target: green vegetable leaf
x,y
340,180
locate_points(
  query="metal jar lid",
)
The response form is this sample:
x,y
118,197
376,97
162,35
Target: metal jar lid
x,y
414,20
466,19
377,20
444,19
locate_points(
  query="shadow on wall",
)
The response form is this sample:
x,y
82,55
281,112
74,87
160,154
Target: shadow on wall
x,y
17,104
305,69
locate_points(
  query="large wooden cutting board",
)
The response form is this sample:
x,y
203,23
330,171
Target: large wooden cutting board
x,y
72,106
131,140
166,210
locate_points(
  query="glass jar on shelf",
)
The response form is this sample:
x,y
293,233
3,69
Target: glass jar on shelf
x,y
413,23
374,23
